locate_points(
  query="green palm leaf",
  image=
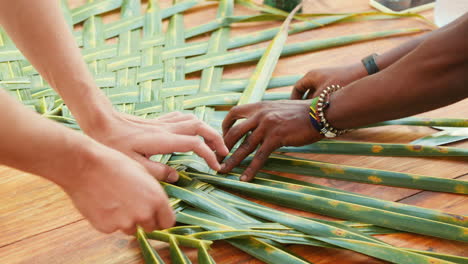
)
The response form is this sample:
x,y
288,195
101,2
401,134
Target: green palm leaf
x,y
284,163
340,209
149,253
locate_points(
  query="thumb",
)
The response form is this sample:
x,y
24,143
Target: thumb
x,y
158,170
304,85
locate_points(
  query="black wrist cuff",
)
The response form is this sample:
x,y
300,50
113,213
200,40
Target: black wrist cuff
x,y
370,65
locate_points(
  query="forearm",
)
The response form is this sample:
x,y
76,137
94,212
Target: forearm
x,y
40,32
431,76
40,146
389,57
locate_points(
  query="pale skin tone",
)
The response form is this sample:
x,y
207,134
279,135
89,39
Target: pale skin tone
x,y
423,74
106,172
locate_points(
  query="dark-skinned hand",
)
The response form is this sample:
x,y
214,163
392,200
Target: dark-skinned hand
x,y
316,80
272,125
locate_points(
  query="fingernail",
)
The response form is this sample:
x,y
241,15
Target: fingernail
x,y
173,177
223,166
243,178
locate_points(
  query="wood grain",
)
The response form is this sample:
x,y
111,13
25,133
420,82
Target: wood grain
x,y
38,223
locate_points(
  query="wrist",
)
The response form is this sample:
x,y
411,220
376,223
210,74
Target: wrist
x,y
350,73
357,71
95,112
75,159
97,120
318,108
336,116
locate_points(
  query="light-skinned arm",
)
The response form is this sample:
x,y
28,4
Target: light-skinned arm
x,y
111,190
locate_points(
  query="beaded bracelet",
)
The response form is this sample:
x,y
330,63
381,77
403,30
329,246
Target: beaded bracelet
x,y
314,119
317,115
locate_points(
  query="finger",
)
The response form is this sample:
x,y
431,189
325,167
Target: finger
x,y
158,170
197,127
178,143
149,224
183,143
317,91
236,132
129,230
169,115
179,118
102,222
259,159
213,139
247,147
165,217
238,112
124,222
301,87
205,152
105,228
310,95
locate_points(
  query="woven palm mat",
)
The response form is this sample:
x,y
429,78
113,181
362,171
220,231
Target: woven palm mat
x,y
142,69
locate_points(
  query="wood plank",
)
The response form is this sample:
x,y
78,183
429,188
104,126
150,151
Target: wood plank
x,y
30,205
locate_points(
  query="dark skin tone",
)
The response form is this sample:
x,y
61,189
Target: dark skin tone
x,y
432,71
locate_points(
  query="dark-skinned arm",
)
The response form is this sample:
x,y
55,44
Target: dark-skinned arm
x,y
432,75
316,80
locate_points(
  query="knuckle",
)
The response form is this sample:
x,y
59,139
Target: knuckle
x,y
233,132
311,74
232,161
271,117
143,216
166,170
263,104
299,85
246,145
197,142
235,109
198,125
262,155
161,176
156,204
262,113
192,116
163,172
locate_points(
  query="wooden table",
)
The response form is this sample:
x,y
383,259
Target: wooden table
x,y
38,224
